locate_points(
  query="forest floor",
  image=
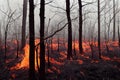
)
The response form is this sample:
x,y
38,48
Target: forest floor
x,y
81,67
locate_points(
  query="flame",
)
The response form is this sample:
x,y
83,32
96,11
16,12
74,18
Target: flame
x,y
25,62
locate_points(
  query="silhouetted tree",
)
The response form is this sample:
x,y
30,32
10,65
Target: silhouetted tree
x,y
42,45
118,32
31,41
23,40
80,26
69,51
99,49
114,18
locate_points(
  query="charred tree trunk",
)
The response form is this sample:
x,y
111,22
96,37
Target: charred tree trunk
x,y
48,49
74,44
91,47
31,41
42,45
69,51
17,48
5,44
58,41
80,26
23,40
118,33
6,34
51,43
114,15
99,49
48,43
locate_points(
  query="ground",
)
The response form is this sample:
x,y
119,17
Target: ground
x,y
81,67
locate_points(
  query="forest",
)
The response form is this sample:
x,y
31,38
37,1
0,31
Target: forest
x,y
59,40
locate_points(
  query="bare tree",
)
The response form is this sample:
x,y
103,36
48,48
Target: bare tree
x,y
23,38
114,18
42,45
69,51
99,48
31,41
118,32
80,26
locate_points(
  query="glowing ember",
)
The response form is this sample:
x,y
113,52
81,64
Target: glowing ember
x,y
49,70
55,69
80,61
55,62
106,58
13,76
94,61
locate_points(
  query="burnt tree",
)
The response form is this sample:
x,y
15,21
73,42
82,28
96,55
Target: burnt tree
x,y
69,51
80,26
31,41
42,45
23,40
114,19
99,48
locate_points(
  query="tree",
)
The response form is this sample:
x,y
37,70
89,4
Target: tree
x,y
31,41
69,51
99,49
118,32
23,41
114,18
80,26
42,45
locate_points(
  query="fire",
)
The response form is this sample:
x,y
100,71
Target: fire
x,y
25,62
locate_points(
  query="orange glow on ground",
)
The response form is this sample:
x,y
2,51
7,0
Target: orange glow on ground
x,y
94,61
25,61
105,58
80,61
53,61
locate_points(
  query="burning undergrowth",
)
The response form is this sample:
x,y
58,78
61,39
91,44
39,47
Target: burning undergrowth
x,y
81,67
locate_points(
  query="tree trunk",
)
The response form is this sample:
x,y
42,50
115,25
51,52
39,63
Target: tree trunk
x,y
99,49
69,51
31,42
118,33
42,45
23,40
80,27
114,20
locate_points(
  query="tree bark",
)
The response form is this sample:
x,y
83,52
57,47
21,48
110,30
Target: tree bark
x,y
114,15
80,26
42,45
69,51
23,40
31,42
99,49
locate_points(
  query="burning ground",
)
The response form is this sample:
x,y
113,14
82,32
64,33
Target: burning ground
x,y
81,67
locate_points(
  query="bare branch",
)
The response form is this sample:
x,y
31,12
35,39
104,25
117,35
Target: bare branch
x,y
56,31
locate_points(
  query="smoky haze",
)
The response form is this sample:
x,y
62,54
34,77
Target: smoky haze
x,y
56,12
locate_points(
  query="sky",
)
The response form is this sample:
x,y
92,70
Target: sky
x,y
50,11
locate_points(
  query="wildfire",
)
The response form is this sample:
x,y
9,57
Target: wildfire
x,y
25,62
